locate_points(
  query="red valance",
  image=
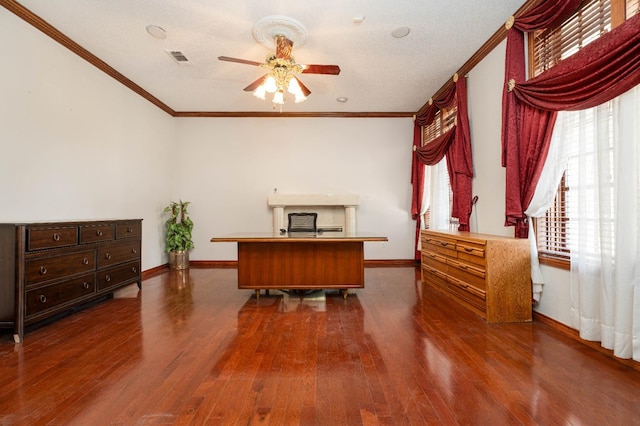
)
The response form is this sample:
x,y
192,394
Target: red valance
x,y
599,72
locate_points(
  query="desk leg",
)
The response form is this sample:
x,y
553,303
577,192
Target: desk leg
x,y
257,294
345,293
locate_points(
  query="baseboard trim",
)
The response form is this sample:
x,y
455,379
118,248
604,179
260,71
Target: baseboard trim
x,y
573,334
390,263
378,263
213,263
155,271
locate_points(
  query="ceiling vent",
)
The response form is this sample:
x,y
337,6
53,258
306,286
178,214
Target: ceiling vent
x,y
179,57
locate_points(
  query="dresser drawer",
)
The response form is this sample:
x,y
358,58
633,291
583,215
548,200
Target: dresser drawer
x,y
118,275
95,233
128,230
118,253
473,274
471,252
444,246
49,297
434,260
51,237
49,268
467,293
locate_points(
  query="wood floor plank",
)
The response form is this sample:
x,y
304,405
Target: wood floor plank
x,y
192,349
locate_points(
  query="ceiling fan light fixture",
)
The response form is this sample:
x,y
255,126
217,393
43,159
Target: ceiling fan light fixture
x,y
260,92
300,97
278,98
294,87
270,84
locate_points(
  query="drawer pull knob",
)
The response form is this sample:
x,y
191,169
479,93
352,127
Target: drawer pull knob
x,y
443,244
43,270
107,278
134,270
468,250
56,236
129,229
107,256
99,233
43,298
463,267
134,251
85,261
85,284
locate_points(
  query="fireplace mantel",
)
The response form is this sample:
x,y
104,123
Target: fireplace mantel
x,y
348,202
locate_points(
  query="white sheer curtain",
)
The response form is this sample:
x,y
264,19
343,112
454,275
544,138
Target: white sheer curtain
x,y
543,197
440,217
604,197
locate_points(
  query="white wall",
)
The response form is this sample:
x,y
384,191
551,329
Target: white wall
x,y
76,144
229,166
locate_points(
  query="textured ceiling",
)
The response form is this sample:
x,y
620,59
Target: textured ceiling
x,y
380,73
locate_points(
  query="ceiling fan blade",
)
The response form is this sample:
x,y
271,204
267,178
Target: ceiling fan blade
x,y
321,69
305,90
283,47
255,84
240,61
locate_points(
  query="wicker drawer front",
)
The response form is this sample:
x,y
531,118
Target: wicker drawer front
x,y
128,230
49,297
51,237
118,253
95,233
118,275
50,268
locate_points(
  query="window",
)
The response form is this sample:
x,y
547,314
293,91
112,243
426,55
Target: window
x,y
547,48
443,121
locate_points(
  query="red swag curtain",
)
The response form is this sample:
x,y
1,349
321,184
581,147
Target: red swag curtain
x,y
599,72
525,150
457,144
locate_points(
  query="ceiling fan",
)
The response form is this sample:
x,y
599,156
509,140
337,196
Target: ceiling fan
x,y
282,70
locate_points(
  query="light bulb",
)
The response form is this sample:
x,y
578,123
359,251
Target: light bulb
x,y
294,87
278,98
259,92
300,97
270,84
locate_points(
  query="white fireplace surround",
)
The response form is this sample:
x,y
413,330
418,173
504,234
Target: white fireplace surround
x,y
334,210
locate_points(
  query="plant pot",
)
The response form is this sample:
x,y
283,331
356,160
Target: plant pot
x,y
179,259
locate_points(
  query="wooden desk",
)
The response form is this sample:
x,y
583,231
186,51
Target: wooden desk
x,y
307,261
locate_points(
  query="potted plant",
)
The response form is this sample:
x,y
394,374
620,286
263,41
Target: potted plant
x,y
178,240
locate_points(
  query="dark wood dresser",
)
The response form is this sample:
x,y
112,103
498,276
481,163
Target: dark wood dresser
x,y
489,274
50,268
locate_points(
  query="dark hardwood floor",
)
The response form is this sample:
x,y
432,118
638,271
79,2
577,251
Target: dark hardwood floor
x,y
190,348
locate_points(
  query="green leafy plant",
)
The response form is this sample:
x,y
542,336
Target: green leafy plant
x,y
179,227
